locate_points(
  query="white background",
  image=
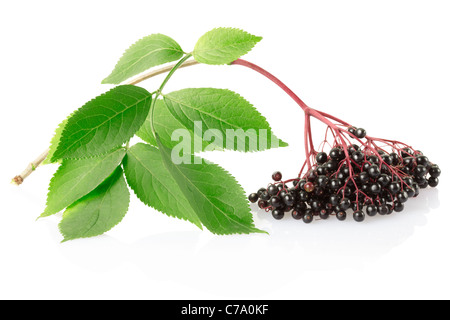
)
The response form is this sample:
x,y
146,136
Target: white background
x,y
382,65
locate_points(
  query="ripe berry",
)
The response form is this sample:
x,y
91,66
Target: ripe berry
x,y
422,160
375,188
398,206
260,191
360,133
352,130
358,156
383,209
297,215
359,216
253,197
288,199
394,187
272,190
308,217
433,182
276,202
263,204
324,214
334,153
277,176
374,171
265,196
322,181
402,196
278,214
371,210
384,180
321,157
435,172
341,215
345,204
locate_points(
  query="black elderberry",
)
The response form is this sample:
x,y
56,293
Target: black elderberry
x,y
303,195
265,196
374,171
384,180
373,159
402,196
352,130
371,210
260,191
272,190
316,205
360,133
301,184
394,187
321,170
277,176
344,204
334,153
433,182
387,159
276,202
308,217
409,162
288,199
297,215
358,156
423,184
335,184
300,207
390,209
435,172
253,197
375,188
263,204
410,192
341,215
416,189
422,160
322,181
321,157
398,206
324,214
359,216
331,165
395,158
364,177
406,152
334,199
278,214
383,209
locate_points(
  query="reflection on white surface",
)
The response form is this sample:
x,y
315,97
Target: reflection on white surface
x,y
232,263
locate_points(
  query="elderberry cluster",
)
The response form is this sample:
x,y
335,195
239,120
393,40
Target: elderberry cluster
x,y
373,184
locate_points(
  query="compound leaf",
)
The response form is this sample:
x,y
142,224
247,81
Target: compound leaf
x,y
154,185
76,178
240,126
99,211
104,123
215,195
146,53
224,45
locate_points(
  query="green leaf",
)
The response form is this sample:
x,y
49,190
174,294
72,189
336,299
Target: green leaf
x,y
55,142
146,53
154,185
166,124
216,197
224,45
239,124
76,178
104,123
99,211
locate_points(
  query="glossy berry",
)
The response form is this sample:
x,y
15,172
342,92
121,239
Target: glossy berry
x,y
308,217
374,171
278,214
358,156
359,216
398,206
352,130
344,204
263,204
321,157
435,172
277,176
371,210
297,215
341,215
265,196
288,199
335,153
360,133
402,196
433,182
272,190
253,197
383,209
276,202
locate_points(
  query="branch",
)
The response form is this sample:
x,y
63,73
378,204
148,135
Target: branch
x,y
18,180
